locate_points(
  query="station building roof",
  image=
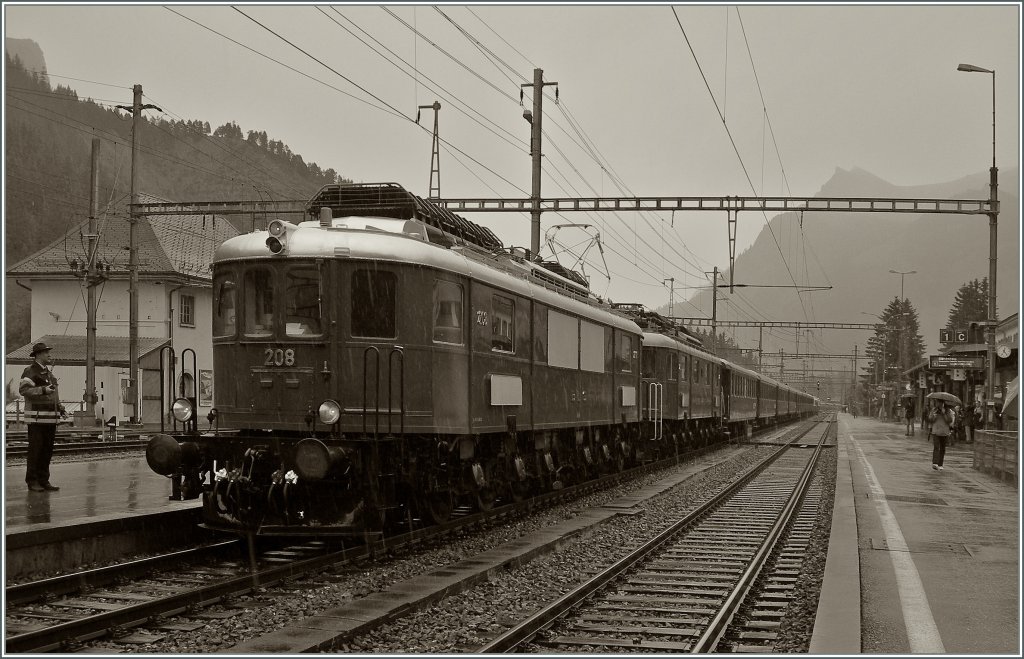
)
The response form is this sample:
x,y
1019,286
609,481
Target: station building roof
x,y
169,245
70,350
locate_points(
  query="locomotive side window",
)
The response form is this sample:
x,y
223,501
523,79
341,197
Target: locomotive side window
x,y
373,304
624,354
591,347
563,340
224,288
502,324
673,366
259,303
447,312
684,367
302,302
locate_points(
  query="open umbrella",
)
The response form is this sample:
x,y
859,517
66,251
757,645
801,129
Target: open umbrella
x,y
942,395
1011,396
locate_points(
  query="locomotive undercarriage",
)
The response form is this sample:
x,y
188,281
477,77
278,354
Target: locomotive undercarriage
x,y
307,486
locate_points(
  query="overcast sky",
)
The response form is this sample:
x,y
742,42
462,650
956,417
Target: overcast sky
x,y
874,87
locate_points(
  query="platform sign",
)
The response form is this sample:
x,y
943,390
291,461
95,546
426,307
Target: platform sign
x,y
950,335
959,374
945,362
922,381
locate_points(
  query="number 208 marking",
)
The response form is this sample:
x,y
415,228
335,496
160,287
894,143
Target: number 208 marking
x,y
279,357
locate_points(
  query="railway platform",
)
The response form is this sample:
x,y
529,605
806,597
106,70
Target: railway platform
x,y
105,508
934,555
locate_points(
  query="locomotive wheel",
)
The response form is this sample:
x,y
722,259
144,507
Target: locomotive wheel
x,y
438,506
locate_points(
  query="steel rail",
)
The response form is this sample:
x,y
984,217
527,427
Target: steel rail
x,y
65,584
77,448
715,630
528,628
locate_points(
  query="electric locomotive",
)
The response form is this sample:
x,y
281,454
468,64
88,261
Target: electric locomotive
x,y
386,360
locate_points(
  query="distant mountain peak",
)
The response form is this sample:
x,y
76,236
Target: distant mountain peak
x,y
29,52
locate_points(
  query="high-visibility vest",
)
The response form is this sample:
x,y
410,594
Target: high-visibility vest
x,y
40,407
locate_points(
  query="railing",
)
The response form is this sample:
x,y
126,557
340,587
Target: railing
x,y
995,453
14,411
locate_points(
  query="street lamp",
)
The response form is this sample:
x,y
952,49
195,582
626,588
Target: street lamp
x,y
902,275
993,216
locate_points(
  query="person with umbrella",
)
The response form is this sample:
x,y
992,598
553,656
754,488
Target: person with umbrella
x,y
941,418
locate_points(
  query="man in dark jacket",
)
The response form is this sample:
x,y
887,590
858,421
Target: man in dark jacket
x,y
42,413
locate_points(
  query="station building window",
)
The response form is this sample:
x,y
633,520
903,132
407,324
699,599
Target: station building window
x,y
373,304
447,312
187,314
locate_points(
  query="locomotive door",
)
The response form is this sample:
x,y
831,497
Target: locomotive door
x,y
727,392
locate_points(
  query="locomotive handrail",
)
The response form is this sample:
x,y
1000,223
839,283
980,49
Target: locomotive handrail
x,y
655,408
193,424
376,389
397,350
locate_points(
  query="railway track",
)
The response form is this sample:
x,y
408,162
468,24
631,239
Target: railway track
x,y
64,612
18,449
716,580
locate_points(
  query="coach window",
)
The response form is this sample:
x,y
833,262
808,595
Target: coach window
x,y
224,304
447,312
302,302
373,304
259,303
502,324
624,354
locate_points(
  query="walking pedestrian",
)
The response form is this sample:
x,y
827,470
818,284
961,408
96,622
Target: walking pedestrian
x,y
941,419
908,414
42,413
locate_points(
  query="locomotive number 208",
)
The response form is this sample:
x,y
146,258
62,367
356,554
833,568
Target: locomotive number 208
x,y
279,357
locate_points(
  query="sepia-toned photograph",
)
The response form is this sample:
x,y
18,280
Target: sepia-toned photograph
x,y
536,328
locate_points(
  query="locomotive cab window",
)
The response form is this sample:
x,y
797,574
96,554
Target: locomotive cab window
x,y
447,312
259,303
673,366
502,324
224,288
373,304
302,302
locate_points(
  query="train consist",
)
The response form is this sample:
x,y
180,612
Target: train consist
x,y
388,360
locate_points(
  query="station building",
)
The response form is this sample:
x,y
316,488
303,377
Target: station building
x,y
175,310
968,384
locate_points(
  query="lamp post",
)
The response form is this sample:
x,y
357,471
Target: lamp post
x,y
993,217
902,275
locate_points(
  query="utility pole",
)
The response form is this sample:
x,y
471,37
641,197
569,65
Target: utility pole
x,y
671,293
714,311
534,120
133,257
435,154
90,397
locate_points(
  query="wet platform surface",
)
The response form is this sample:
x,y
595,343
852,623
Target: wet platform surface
x,y
933,554
89,490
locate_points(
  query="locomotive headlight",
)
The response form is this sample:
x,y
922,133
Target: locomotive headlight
x,y
275,245
182,410
329,412
276,228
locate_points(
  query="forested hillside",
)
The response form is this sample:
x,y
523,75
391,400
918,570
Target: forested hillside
x,y
49,131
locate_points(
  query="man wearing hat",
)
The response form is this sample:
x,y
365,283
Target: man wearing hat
x,y
42,413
